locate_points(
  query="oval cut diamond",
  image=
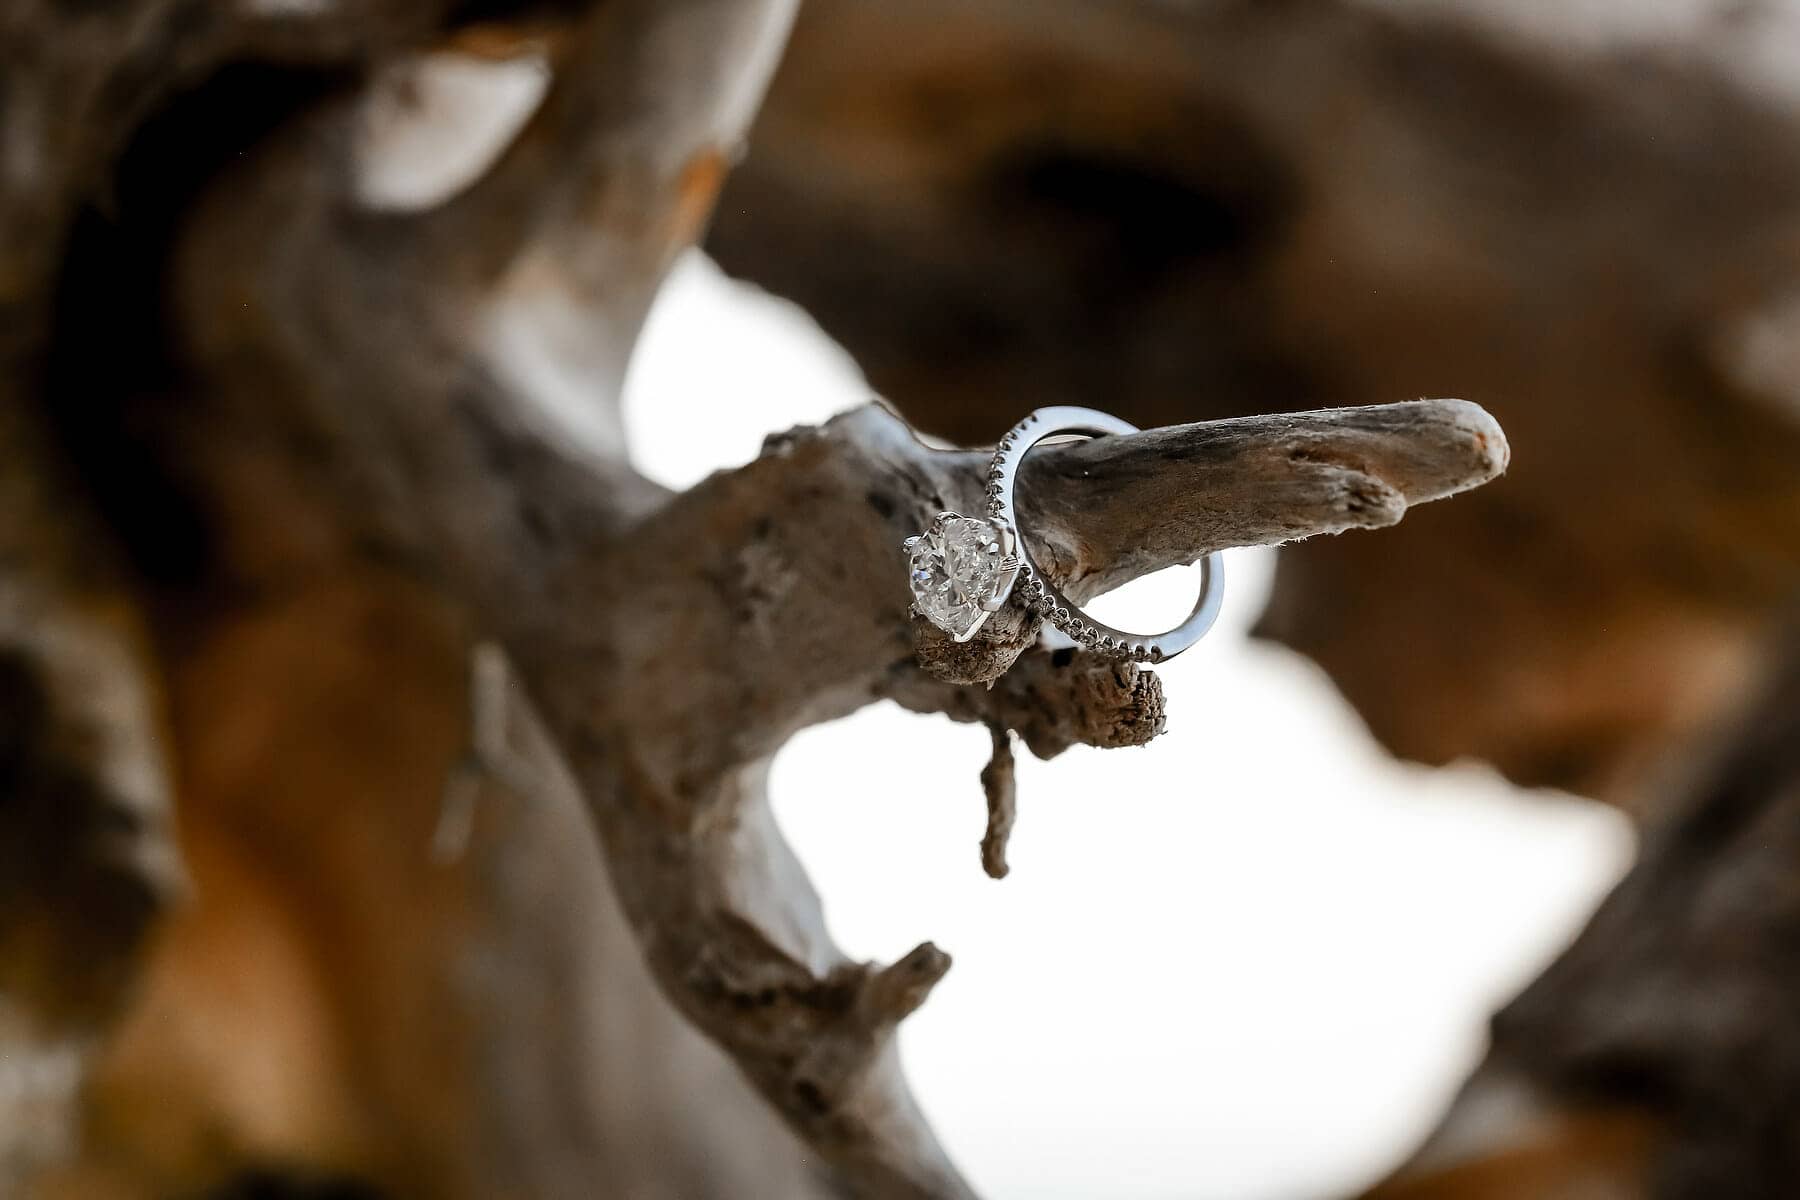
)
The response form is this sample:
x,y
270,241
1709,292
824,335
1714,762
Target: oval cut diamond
x,y
960,571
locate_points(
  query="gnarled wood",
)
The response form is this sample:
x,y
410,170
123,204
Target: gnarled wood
x,y
351,390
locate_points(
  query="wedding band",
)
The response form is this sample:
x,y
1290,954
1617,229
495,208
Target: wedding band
x,y
962,569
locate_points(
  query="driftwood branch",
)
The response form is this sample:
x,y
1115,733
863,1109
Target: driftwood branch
x,y
1249,481
1052,700
1101,512
767,599
672,644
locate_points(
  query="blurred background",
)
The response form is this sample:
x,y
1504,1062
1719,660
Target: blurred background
x,y
1467,867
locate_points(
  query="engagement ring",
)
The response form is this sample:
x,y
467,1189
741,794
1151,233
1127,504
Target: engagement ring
x,y
963,569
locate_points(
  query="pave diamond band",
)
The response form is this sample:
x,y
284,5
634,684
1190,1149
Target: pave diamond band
x,y
963,568
1041,594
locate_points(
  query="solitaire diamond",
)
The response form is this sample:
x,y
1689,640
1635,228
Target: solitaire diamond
x,y
960,571
962,568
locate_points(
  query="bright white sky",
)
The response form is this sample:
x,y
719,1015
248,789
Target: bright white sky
x,y
1249,961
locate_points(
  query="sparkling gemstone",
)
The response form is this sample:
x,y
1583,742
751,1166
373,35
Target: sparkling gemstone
x,y
958,571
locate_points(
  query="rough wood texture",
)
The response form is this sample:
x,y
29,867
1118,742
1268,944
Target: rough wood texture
x,y
1579,216
1101,512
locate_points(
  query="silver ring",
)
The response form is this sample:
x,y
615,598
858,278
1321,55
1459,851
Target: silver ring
x,y
962,569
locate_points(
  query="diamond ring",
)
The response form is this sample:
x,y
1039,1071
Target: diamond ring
x,y
962,569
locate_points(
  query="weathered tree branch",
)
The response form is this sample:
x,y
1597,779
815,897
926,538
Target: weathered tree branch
x,y
767,599
672,644
1250,481
1104,511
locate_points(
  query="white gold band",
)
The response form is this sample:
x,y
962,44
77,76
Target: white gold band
x,y
1042,595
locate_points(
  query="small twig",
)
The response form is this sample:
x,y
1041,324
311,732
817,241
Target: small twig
x,y
897,990
1001,788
